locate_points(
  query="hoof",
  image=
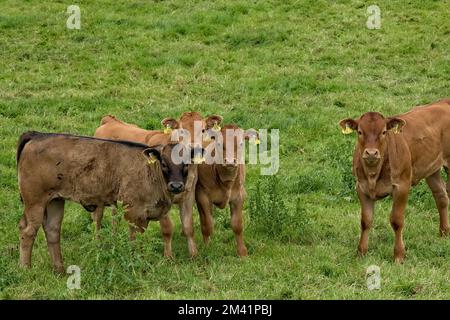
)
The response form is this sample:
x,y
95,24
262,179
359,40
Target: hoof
x,y
362,252
193,254
445,232
242,253
25,265
59,269
169,256
399,260
206,240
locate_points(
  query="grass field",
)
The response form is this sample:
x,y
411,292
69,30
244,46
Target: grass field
x,y
299,66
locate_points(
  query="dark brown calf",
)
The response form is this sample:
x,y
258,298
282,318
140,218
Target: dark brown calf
x,y
391,155
53,168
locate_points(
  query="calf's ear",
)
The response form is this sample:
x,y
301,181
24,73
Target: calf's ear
x,y
170,123
252,135
213,121
395,124
152,155
348,125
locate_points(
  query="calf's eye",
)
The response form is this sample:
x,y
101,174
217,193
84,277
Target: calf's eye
x,y
359,132
384,132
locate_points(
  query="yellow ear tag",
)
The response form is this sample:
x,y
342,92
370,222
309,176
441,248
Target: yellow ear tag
x,y
216,127
396,129
152,159
347,130
255,140
168,129
198,160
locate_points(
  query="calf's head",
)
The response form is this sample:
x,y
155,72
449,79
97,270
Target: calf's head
x,y
229,142
174,173
194,123
372,129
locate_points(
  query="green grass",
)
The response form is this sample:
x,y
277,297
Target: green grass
x,y
299,66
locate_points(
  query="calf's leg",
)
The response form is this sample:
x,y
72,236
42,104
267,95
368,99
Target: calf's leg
x,y
397,220
29,225
205,208
97,216
52,228
367,208
114,219
187,222
237,224
167,232
440,195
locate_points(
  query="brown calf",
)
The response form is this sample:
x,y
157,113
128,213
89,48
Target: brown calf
x,y
53,168
391,155
221,185
115,129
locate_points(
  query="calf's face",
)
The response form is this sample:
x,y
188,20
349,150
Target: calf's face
x,y
175,175
232,146
372,129
194,123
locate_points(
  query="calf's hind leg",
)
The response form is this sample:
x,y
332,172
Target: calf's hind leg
x,y
52,228
28,227
440,195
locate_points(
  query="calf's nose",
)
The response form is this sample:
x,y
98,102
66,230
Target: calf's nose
x,y
176,187
371,153
231,162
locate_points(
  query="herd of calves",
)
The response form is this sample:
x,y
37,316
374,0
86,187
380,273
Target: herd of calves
x,y
126,164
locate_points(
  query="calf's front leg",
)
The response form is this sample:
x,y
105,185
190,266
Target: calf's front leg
x,y
167,232
367,209
237,224
205,209
187,223
397,219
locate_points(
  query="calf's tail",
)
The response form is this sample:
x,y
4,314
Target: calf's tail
x,y
23,140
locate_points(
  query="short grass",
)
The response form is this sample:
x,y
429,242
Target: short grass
x,y
299,66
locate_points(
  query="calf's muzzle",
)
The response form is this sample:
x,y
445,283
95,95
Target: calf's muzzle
x,y
176,187
371,155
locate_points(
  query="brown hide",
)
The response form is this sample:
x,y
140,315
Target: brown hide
x,y
93,172
392,154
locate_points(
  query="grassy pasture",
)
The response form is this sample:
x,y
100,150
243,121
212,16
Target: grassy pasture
x,y
299,66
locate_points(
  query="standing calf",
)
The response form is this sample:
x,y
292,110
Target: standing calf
x,y
222,184
53,168
391,155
